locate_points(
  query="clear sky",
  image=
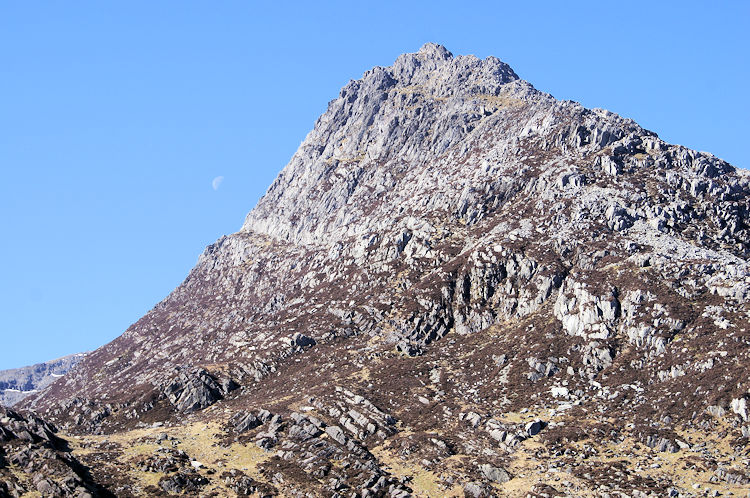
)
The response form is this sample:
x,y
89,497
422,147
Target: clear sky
x,y
116,117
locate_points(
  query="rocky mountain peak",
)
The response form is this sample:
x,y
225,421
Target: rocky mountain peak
x,y
436,51
412,111
457,275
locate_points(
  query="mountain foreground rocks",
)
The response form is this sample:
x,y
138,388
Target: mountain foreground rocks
x,y
34,459
458,286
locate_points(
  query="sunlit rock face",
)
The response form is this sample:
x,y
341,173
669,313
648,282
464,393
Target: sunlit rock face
x,y
452,267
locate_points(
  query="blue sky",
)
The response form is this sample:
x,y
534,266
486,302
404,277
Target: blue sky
x,y
115,118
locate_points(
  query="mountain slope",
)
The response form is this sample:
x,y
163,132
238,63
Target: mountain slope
x,y
17,383
451,262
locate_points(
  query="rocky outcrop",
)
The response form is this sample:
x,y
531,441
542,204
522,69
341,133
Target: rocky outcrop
x,y
331,456
189,483
494,474
195,388
33,459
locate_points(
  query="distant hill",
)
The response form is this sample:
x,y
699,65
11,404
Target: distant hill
x,y
17,383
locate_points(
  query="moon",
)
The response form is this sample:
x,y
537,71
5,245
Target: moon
x,y
216,182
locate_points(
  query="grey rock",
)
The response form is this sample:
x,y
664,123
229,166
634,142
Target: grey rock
x,y
47,488
266,441
409,348
192,389
43,461
472,418
183,482
661,444
597,357
494,474
734,477
477,490
336,434
302,341
244,421
265,416
716,411
241,484
739,406
498,435
533,428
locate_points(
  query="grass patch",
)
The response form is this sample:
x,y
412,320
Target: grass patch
x,y
423,482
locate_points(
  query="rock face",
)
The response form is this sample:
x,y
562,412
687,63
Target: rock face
x,y
194,389
452,266
17,383
34,460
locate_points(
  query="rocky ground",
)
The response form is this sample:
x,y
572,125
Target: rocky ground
x,y
34,459
458,285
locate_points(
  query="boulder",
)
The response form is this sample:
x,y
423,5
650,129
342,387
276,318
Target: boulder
x,y
336,434
494,474
192,389
244,421
264,416
302,341
183,483
533,428
477,490
498,435
739,406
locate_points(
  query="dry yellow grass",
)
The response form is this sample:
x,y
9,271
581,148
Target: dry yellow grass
x,y
145,479
677,467
523,467
199,440
423,482
410,89
33,494
500,101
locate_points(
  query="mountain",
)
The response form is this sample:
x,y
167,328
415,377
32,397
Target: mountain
x,y
17,383
458,285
